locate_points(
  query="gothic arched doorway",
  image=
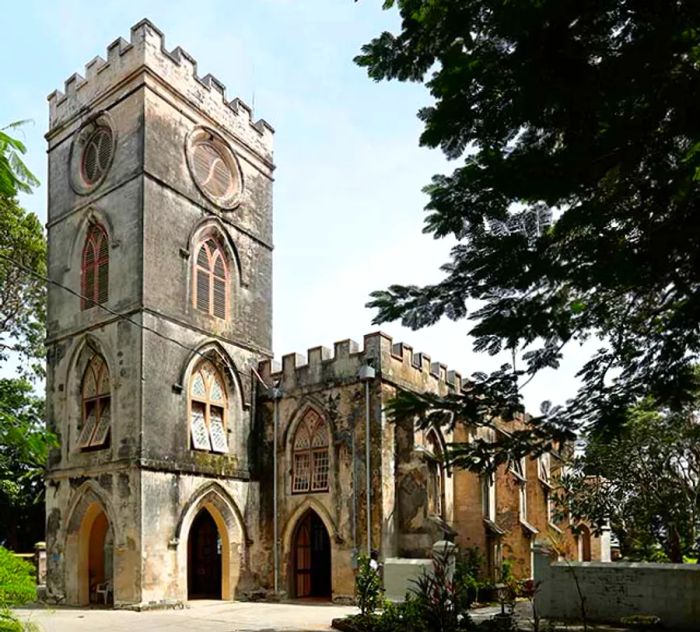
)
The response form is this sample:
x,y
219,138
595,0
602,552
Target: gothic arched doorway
x,y
204,558
311,558
584,534
97,544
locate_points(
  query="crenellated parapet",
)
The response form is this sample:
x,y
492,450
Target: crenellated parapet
x,y
394,362
177,69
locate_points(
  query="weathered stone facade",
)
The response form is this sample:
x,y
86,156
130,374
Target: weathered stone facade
x,y
147,480
139,510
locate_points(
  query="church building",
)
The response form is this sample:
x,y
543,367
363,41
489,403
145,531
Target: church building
x,y
189,465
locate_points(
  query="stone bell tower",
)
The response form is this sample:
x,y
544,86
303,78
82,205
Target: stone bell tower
x,y
160,232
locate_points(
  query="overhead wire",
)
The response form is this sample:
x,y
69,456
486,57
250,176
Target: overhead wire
x,y
124,317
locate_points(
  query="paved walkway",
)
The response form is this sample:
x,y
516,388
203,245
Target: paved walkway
x,y
209,616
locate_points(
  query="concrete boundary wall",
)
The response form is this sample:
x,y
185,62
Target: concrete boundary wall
x,y
400,574
612,590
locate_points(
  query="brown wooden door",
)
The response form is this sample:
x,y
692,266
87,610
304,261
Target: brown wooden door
x,y
204,558
312,558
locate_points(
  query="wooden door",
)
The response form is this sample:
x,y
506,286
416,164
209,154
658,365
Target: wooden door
x,y
302,574
312,558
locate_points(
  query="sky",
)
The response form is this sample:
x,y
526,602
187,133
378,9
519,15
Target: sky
x,y
348,201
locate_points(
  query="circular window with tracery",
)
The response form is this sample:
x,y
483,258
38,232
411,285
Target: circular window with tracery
x,y
214,168
92,153
97,155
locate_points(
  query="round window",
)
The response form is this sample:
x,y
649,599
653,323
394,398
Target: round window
x,y
97,155
214,168
211,171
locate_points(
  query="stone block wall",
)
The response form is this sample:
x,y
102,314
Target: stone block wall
x,y
615,590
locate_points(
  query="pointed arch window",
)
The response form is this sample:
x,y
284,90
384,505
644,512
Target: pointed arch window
x,y
211,279
311,455
208,409
95,267
96,405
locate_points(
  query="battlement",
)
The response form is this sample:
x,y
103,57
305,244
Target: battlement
x,y
177,68
395,362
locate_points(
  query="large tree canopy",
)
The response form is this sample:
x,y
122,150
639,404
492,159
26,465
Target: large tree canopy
x,y
22,296
644,481
576,201
24,444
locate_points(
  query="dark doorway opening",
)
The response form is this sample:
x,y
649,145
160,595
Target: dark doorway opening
x,y
311,558
100,548
204,558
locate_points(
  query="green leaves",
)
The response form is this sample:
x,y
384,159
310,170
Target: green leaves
x,y
14,174
577,204
644,481
17,584
22,297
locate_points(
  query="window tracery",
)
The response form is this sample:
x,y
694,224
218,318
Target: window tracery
x,y
311,459
211,279
96,405
208,404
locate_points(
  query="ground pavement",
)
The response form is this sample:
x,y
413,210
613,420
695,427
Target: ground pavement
x,y
209,616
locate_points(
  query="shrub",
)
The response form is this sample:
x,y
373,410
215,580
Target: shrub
x,y
442,601
368,586
17,585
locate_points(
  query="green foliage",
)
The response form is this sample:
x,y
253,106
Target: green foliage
x,y
442,599
22,297
25,444
645,480
14,175
576,201
17,585
10,623
368,586
438,602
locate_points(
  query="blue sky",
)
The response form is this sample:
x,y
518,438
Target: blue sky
x,y
348,200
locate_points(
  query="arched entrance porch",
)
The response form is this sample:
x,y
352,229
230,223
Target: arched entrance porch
x,y
95,561
311,558
212,502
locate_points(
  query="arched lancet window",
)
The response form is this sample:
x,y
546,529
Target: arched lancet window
x,y
436,475
311,458
96,399
95,267
211,279
208,409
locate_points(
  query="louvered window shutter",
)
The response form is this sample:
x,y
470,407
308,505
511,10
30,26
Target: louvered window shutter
x,y
103,282
103,271
202,290
219,298
210,280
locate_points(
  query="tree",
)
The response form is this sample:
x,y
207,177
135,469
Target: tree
x,y
14,174
644,480
24,445
22,296
576,205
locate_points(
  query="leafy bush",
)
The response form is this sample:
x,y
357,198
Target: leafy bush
x,y
10,623
438,602
368,586
17,585
442,598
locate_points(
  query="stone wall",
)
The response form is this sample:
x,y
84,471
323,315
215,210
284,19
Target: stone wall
x,y
615,590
